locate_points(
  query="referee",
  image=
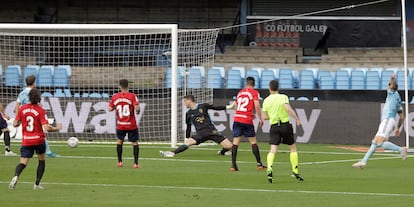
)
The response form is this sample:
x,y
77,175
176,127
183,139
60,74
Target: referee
x,y
276,108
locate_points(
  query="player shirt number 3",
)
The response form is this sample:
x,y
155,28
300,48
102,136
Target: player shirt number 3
x,y
124,105
245,105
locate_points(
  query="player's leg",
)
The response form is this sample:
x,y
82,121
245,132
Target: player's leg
x,y
40,150
256,153
119,145
133,137
49,152
6,137
225,143
187,143
237,132
391,146
274,141
25,154
288,138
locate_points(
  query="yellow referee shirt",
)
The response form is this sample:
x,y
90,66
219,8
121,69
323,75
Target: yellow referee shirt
x,y
274,106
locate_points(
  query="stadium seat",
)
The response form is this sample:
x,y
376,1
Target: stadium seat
x,y
357,80
342,80
30,70
13,75
307,79
61,76
385,78
286,79
200,68
214,78
347,69
194,78
59,93
255,73
393,69
372,80
95,95
326,80
401,80
45,76
180,74
267,76
234,79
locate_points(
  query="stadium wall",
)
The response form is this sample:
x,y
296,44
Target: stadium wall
x,y
338,117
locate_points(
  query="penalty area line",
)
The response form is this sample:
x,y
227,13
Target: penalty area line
x,y
225,189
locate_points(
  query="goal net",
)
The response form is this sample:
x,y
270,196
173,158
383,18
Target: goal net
x,y
77,69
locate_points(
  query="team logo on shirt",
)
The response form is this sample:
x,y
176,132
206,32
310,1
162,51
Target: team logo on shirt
x,y
200,110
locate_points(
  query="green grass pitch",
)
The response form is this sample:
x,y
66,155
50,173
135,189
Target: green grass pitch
x,y
88,176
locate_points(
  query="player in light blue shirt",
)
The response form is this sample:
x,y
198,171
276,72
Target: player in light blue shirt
x,y
23,99
392,107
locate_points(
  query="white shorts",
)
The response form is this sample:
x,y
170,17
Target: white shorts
x,y
385,128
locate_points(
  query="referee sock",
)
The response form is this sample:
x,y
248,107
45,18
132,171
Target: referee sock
x,y
270,160
234,155
119,152
370,152
19,168
136,153
294,161
181,148
6,137
256,152
40,171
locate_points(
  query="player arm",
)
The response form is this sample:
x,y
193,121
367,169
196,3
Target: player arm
x,y
137,109
50,128
258,109
209,106
3,112
188,129
292,113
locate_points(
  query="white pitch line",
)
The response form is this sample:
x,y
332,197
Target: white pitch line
x,y
226,189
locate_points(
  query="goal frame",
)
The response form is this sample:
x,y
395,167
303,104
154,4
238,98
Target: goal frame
x,y
172,28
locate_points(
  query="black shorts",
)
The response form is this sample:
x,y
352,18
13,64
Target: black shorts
x,y
28,151
281,134
3,123
133,135
210,135
241,129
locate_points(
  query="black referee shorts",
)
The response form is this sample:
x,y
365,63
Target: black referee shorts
x,y
282,133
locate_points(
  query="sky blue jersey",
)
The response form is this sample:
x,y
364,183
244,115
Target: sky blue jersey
x,y
392,105
23,97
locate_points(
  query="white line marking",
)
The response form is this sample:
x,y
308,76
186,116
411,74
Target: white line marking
x,y
226,189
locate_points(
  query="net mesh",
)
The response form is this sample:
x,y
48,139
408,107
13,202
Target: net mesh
x,y
78,71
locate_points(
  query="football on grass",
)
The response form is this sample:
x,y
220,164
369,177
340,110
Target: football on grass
x,y
73,142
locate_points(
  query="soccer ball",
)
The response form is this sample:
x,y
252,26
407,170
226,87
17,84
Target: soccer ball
x,y
73,142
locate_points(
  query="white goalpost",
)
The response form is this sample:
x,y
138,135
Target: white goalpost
x,y
78,67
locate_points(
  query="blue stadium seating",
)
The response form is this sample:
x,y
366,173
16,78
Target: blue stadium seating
x,y
45,76
194,78
1,75
61,76
307,79
255,73
13,75
326,80
30,70
401,80
286,79
372,80
342,80
180,74
267,76
385,78
234,79
357,80
215,78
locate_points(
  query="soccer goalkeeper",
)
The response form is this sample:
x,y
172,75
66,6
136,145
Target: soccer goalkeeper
x,y
199,117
